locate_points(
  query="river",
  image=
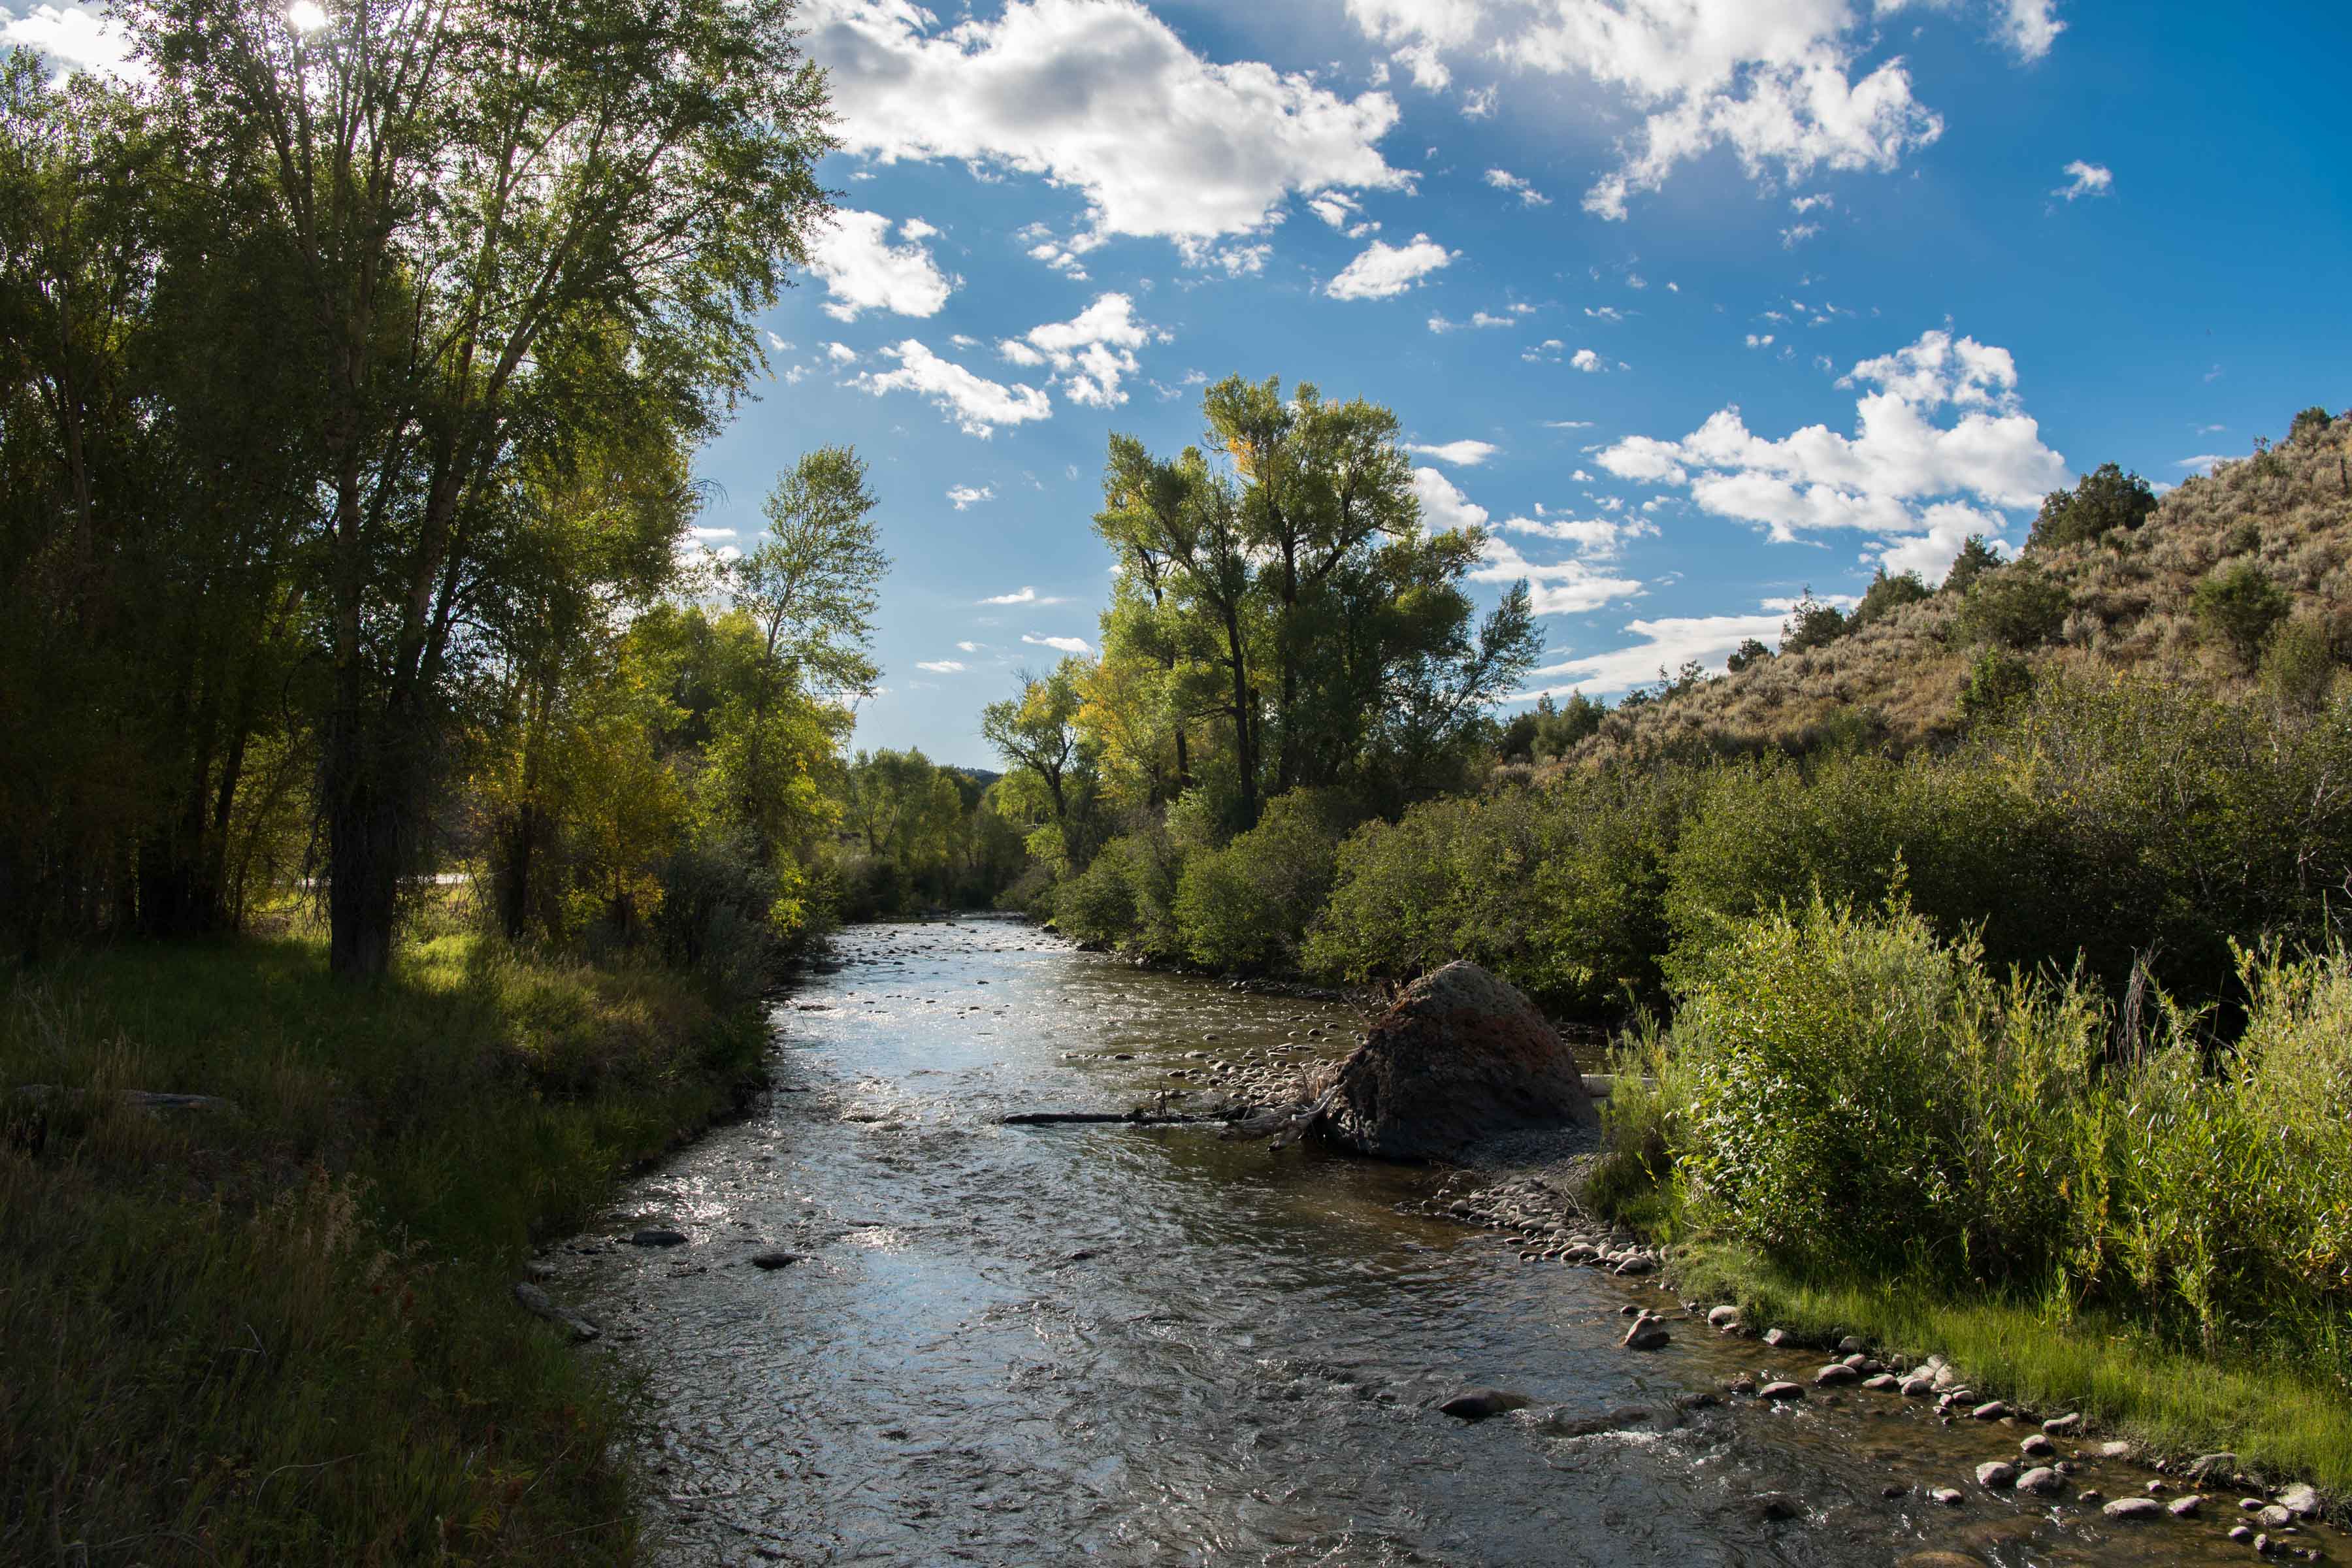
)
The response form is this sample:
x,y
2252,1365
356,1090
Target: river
x,y
1008,1345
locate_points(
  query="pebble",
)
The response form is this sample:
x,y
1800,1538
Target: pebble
x,y
1951,1497
2037,1447
1997,1474
1784,1390
2242,1532
1991,1410
1836,1373
2185,1507
1883,1383
1919,1385
2133,1508
2041,1480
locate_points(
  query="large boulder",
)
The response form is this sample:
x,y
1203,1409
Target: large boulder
x,y
1460,1056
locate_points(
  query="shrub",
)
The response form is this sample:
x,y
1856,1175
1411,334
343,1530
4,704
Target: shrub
x,y
1246,906
2310,425
1886,594
1997,680
2019,606
1747,654
1812,625
2299,667
1126,897
2242,606
2106,500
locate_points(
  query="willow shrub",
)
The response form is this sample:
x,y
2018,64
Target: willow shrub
x,y
1850,1092
1247,906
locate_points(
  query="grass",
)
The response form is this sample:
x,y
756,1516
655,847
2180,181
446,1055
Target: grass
x,y
284,1333
2266,1408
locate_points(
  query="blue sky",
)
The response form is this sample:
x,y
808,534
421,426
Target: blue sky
x,y
1693,302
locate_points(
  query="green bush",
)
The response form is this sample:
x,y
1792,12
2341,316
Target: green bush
x,y
2242,606
1126,897
2019,606
2299,666
1813,625
1745,655
1887,594
2105,502
1247,906
1976,558
1997,680
2310,425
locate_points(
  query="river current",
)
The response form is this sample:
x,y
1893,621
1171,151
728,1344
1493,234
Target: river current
x,y
1146,1345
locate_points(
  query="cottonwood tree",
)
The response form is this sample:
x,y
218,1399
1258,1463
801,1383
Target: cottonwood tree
x,y
471,191
1038,736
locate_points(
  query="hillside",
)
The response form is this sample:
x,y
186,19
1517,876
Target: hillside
x,y
2130,605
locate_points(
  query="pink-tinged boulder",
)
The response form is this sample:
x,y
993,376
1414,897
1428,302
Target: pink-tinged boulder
x,y
1460,1056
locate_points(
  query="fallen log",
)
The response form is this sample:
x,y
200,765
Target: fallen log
x,y
1286,1123
1135,1118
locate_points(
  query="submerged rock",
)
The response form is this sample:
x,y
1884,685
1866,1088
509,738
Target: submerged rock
x,y
1460,1056
658,1235
1478,1404
1646,1334
2133,1508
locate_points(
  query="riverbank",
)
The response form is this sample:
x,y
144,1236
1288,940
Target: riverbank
x,y
278,1325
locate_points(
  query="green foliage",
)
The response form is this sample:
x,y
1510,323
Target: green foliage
x,y
1813,625
1976,558
1550,729
1886,594
1996,678
2019,606
1247,905
2241,606
2105,502
1860,1094
2310,424
1747,654
2299,666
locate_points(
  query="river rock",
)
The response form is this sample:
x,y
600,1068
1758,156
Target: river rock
x,y
2241,1533
2300,1500
1919,1385
774,1259
1997,1474
2041,1481
1460,1056
2065,1426
658,1235
2133,1508
1991,1410
2185,1507
1836,1373
1951,1497
1776,1392
2273,1517
1478,1404
1880,1383
1776,1338
2037,1447
1726,1317
1647,1334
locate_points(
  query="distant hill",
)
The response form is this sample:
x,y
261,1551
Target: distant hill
x,y
2131,602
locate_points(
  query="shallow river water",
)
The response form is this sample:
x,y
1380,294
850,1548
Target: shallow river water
x,y
1012,1345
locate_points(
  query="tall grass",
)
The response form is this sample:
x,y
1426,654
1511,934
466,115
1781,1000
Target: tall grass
x,y
1889,1131
282,1333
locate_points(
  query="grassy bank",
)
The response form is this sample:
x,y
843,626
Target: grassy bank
x,y
282,1333
1856,1127
2264,1406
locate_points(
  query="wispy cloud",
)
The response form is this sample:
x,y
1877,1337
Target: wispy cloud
x,y
1023,596
2085,180
1059,645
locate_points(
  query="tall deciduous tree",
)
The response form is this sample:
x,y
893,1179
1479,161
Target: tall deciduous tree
x,y
472,190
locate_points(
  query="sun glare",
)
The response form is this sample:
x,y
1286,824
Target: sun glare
x,y
306,15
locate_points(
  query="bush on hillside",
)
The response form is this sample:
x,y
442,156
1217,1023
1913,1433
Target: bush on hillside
x,y
2105,502
1745,655
2019,606
1997,680
1886,596
1976,558
2310,425
2299,667
1813,625
2241,606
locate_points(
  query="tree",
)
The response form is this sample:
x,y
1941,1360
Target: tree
x,y
809,588
1976,558
2106,500
1745,655
2310,425
1886,594
1037,735
2019,606
1812,625
473,193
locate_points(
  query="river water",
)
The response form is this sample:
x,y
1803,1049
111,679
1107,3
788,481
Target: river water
x,y
1009,1345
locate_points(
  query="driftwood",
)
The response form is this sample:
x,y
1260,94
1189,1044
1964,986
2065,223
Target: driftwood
x,y
1286,1123
1139,1116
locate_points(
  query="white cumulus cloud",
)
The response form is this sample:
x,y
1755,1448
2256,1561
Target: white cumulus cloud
x,y
1443,506
1668,644
1779,82
1059,645
1569,588
1941,437
1385,270
976,404
1090,353
1587,361
1463,454
864,271
1102,97
970,495
74,38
